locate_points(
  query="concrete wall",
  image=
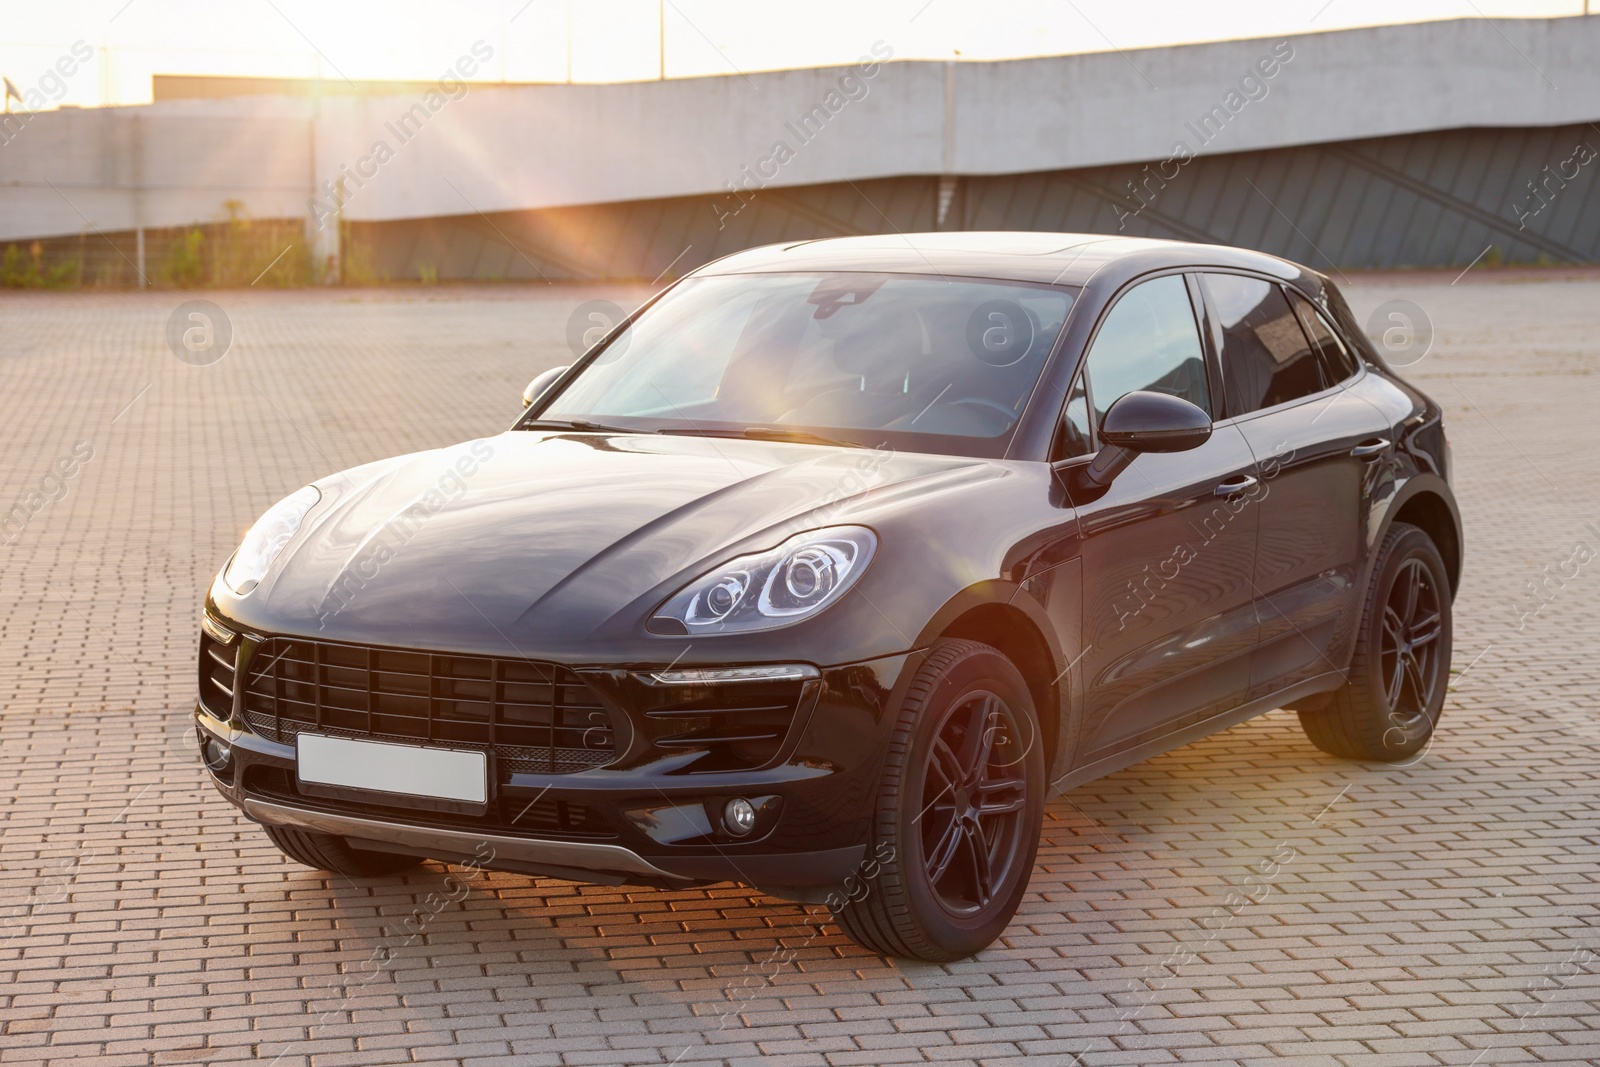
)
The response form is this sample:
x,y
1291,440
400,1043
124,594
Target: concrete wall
x,y
1444,198
124,168
494,149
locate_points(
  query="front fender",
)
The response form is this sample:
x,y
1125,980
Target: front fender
x,y
1017,619
998,593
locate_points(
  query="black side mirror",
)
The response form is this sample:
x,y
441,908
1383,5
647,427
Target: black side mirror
x,y
1146,422
541,385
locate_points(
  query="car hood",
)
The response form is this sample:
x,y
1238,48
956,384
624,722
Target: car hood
x,y
539,536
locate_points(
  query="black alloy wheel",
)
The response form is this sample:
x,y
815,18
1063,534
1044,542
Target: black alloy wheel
x,y
971,832
1389,706
1409,645
959,811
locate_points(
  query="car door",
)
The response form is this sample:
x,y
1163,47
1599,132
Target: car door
x,y
1313,441
1167,549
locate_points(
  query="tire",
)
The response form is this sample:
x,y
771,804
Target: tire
x,y
328,852
1389,706
922,895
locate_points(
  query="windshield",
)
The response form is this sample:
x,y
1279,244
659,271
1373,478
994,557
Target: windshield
x,y
858,358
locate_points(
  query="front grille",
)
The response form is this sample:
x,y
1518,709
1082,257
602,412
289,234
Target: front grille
x,y
216,676
533,718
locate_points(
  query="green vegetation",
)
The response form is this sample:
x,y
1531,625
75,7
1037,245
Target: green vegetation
x,y
359,267
31,272
182,268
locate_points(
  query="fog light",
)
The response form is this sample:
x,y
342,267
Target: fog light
x,y
217,753
739,816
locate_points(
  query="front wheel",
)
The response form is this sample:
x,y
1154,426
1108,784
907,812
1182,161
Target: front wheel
x,y
1388,708
959,811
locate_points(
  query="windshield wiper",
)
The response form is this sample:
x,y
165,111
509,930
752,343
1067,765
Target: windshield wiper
x,y
780,433
575,424
770,433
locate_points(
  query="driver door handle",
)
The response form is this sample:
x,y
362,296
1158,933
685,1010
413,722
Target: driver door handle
x,y
1366,449
1237,485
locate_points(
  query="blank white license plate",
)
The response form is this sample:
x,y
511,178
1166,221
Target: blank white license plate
x,y
441,773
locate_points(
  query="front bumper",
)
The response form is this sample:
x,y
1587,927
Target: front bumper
x,y
458,845
635,822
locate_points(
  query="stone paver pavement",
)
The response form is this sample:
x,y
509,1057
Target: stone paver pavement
x,y
1245,899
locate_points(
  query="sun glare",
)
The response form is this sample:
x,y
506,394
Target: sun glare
x,y
622,40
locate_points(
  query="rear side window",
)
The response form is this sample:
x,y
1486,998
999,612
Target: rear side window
x,y
1337,362
1266,359
1149,340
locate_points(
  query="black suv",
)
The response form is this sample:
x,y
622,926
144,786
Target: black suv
x,y
826,567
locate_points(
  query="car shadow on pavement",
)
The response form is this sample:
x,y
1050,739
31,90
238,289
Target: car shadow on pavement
x,y
1122,862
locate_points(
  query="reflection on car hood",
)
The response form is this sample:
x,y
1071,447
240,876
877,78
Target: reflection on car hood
x,y
502,539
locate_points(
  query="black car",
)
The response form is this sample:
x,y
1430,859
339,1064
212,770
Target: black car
x,y
828,566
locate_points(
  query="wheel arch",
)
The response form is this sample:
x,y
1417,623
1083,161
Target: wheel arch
x,y
994,614
1431,508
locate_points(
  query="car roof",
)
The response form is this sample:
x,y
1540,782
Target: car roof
x,y
1028,256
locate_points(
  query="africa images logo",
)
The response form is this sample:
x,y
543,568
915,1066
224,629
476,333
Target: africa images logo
x,y
49,88
850,87
403,128
1251,88
199,332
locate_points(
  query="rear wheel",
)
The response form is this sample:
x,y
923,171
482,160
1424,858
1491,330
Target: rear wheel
x,y
329,852
1388,708
958,814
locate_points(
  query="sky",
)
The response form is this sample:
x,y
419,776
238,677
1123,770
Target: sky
x,y
622,40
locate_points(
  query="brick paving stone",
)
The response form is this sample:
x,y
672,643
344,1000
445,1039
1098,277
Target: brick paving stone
x,y
1431,914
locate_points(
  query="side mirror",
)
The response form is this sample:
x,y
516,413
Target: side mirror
x,y
1146,422
541,385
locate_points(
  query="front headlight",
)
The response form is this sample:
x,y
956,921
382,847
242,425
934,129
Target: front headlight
x,y
770,589
266,539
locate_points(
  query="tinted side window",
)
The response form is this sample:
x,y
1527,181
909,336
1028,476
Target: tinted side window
x,y
1337,362
1266,358
1149,341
